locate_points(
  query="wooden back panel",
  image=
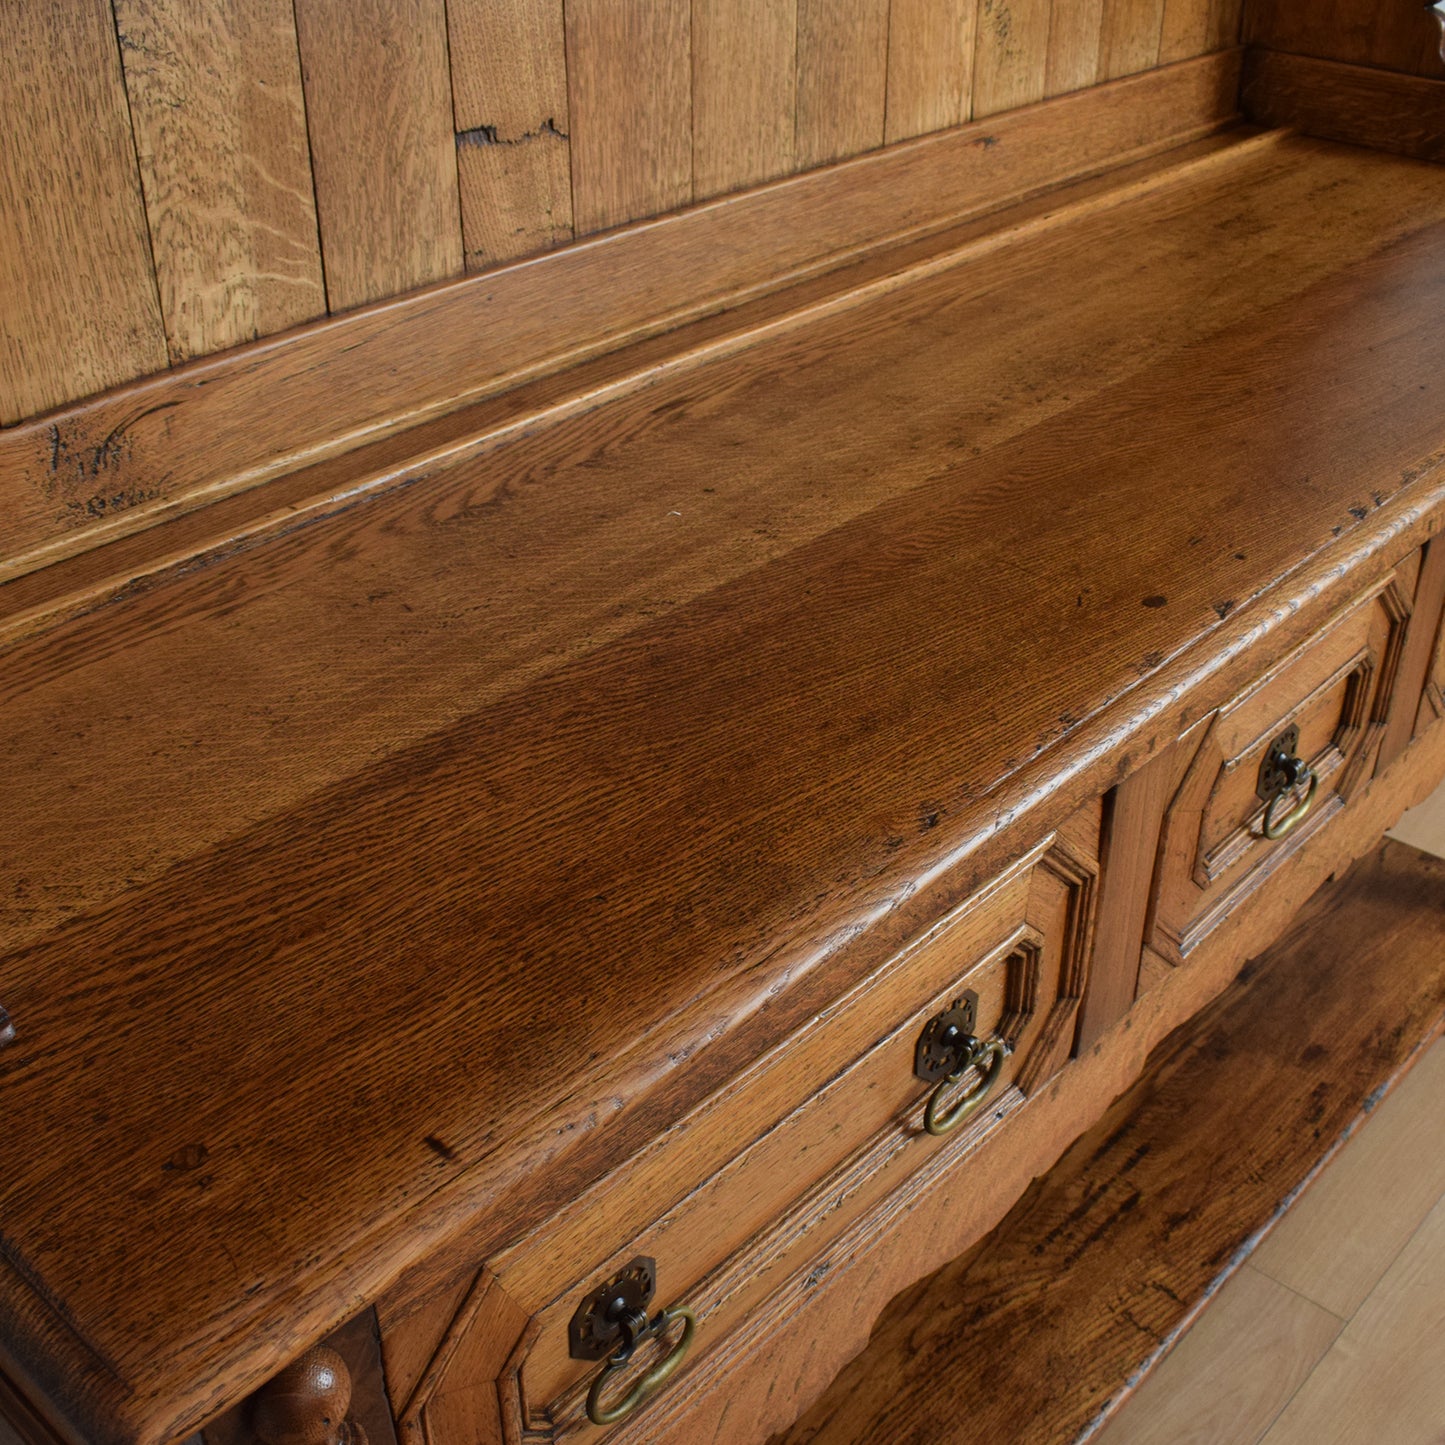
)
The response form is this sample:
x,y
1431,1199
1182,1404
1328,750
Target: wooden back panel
x,y
1389,34
214,174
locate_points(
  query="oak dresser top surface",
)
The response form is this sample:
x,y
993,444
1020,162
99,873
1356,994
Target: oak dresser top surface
x,y
490,823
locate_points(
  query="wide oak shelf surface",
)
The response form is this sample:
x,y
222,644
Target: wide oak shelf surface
x,y
354,875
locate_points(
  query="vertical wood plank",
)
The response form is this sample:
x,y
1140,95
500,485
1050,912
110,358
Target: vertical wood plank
x,y
744,91
1391,34
78,309
1129,38
1131,844
378,105
629,86
1074,30
1226,22
930,66
1186,30
509,98
842,78
220,128
1012,55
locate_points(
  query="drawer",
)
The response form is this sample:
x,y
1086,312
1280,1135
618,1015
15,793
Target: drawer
x,y
831,1122
1233,818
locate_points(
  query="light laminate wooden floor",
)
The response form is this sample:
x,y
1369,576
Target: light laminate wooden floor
x,y
1333,1332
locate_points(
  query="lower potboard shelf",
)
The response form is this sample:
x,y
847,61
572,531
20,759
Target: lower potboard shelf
x,y
1047,1324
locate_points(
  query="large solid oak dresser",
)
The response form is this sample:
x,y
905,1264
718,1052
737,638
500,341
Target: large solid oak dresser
x,y
534,927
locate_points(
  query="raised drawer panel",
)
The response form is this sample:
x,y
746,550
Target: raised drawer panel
x,y
1325,706
848,1137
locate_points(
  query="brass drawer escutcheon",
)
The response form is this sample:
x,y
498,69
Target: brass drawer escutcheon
x,y
947,1050
613,1321
1281,774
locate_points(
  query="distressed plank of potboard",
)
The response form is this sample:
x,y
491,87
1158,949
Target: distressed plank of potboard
x,y
629,83
930,65
220,128
509,99
378,104
744,91
1099,1267
842,78
77,295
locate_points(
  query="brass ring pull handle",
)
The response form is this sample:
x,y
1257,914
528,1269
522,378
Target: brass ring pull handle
x,y
987,1057
655,1378
1282,772
1278,827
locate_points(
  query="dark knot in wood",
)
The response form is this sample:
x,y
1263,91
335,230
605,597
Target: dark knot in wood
x,y
307,1404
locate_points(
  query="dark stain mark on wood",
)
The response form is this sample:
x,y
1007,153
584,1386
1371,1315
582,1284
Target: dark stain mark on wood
x,y
186,1158
1156,601
442,1151
1223,609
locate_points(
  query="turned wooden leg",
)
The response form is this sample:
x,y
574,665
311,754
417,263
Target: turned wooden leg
x,y
307,1404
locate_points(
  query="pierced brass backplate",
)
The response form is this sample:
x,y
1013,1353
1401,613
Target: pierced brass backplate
x,y
597,1327
1280,767
945,1039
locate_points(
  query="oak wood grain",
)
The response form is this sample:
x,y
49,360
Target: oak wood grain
x,y
76,287
386,189
1135,817
328,687
744,86
629,82
814,769
1185,30
1129,36
842,62
1103,1264
1074,33
1399,113
1226,23
930,66
1011,54
225,425
220,132
1399,37
509,100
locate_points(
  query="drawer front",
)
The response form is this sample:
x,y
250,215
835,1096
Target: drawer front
x,y
1323,707
853,1132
